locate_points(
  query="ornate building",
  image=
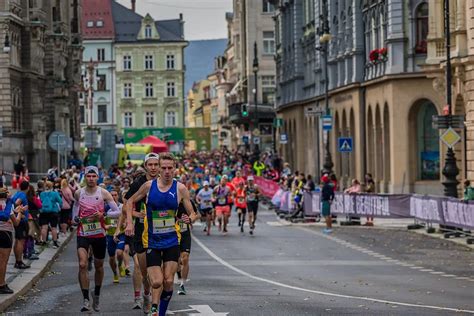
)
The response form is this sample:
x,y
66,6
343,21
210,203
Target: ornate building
x,y
39,75
378,92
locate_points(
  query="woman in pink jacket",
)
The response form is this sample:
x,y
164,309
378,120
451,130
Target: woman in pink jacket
x,y
65,215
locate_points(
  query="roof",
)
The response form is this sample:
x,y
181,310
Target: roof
x,y
92,12
128,24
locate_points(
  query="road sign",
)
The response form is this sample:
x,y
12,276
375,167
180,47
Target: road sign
x,y
327,122
345,144
57,141
446,121
450,137
277,122
312,111
256,132
245,139
256,140
283,139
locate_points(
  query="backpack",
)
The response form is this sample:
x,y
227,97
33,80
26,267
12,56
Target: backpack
x,y
6,210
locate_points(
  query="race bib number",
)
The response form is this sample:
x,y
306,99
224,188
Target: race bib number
x,y
222,201
241,200
91,228
207,204
163,222
251,197
114,222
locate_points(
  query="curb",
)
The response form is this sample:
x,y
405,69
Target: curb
x,y
10,299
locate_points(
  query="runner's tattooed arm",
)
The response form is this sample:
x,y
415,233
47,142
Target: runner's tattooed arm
x,y
139,195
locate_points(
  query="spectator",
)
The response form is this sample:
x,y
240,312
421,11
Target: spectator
x,y
52,203
34,206
9,218
258,167
286,170
21,230
309,186
354,188
327,196
369,188
468,191
20,166
65,216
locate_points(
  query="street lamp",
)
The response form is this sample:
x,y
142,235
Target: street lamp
x,y
255,95
324,38
450,170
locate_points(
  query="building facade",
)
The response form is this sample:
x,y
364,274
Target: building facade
x,y
378,92
40,75
149,70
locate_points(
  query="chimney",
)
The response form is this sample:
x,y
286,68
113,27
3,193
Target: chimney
x,y
133,5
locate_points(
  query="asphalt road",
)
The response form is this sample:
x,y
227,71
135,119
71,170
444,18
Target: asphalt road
x,y
285,270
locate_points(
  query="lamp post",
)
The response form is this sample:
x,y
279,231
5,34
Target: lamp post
x,y
255,92
324,38
450,170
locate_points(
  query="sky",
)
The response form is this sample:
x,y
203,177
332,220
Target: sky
x,y
204,19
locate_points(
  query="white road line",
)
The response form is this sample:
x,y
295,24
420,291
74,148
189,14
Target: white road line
x,y
362,298
437,272
448,275
427,270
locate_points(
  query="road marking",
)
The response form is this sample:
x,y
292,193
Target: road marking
x,y
203,310
362,298
427,270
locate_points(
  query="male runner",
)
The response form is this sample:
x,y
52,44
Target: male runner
x,y
253,193
161,235
137,251
184,245
204,198
88,212
241,204
222,194
115,246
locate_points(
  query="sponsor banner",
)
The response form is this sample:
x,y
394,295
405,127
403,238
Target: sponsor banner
x,y
441,210
267,187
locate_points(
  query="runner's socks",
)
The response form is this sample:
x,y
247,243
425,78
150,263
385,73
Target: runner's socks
x,y
164,301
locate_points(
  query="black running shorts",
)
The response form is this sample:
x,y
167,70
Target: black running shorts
x,y
155,257
99,245
185,243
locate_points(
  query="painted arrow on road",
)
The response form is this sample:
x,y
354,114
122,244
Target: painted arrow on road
x,y
203,310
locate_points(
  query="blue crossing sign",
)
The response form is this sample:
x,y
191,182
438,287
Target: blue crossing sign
x,y
345,144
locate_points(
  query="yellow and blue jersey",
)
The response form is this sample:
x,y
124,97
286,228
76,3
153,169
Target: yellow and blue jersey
x,y
161,231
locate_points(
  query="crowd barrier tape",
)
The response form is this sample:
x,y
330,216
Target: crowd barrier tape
x,y
268,188
431,209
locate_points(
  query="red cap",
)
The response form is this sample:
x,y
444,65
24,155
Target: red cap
x,y
325,179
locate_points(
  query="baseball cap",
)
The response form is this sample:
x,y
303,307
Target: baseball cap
x,y
250,178
205,183
151,156
92,169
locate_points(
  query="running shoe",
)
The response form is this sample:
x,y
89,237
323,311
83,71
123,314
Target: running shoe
x,y
21,265
251,232
95,303
327,230
127,272
242,228
116,278
86,306
137,304
205,229
5,290
146,303
55,244
33,257
153,311
122,271
182,290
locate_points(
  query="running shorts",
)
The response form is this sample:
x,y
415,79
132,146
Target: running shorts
x,y
112,246
205,211
99,245
223,210
21,231
185,243
155,257
253,207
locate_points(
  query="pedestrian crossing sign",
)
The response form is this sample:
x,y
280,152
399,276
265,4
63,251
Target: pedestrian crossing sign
x,y
345,144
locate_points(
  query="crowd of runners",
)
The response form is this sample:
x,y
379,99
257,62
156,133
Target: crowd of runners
x,y
142,217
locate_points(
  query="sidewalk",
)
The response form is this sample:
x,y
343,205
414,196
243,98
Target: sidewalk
x,y
21,281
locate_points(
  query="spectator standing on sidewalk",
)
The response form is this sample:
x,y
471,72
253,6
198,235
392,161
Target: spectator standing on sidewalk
x,y
327,196
52,203
369,188
65,216
9,218
34,207
21,230
468,191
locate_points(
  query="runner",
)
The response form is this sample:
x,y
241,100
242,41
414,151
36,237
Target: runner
x,y
222,194
184,245
241,204
204,198
161,236
88,213
115,244
137,251
253,193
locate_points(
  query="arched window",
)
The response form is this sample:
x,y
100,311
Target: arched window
x,y
428,143
421,28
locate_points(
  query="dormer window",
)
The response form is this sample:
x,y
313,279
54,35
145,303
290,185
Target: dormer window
x,y
148,31
99,23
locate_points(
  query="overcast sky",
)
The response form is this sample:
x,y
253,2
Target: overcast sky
x,y
204,19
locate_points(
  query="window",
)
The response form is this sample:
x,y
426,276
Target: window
x,y
268,7
268,89
90,23
127,62
82,114
421,28
170,119
101,54
99,23
427,143
148,31
149,89
101,83
169,61
127,119
170,89
149,119
269,42
148,62
102,113
127,90
207,92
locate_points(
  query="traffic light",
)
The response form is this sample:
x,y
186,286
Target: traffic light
x,y
245,111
